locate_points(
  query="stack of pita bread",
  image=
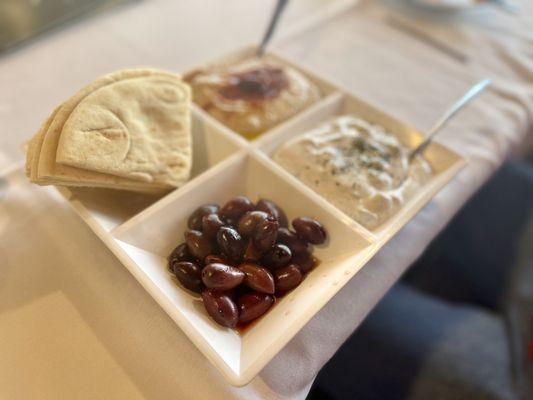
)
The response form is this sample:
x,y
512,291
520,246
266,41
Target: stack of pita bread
x,y
127,130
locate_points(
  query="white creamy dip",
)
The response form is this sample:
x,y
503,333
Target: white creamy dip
x,y
357,166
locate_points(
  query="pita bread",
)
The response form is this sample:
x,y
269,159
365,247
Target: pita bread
x,y
45,169
135,128
29,156
34,147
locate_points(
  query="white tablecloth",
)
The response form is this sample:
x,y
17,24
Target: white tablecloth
x,y
75,324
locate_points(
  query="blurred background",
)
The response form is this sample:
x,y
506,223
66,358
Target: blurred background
x,y
459,323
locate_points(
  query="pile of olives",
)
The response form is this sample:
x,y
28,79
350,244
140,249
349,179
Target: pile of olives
x,y
240,256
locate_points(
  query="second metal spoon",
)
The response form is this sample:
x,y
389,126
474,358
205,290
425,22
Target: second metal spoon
x,y
458,105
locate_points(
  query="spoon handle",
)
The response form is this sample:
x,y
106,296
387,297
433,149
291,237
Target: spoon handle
x,y
271,26
458,105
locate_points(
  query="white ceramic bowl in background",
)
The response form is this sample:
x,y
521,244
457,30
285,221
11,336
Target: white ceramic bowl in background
x,y
449,5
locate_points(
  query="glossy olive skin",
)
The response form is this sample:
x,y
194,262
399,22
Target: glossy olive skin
x,y
251,254
180,253
198,244
221,308
258,278
294,242
253,305
310,229
230,242
231,222
278,256
195,219
236,208
287,278
273,209
189,275
215,258
211,223
305,262
265,234
221,276
249,221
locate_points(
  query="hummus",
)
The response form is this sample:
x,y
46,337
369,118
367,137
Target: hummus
x,y
253,96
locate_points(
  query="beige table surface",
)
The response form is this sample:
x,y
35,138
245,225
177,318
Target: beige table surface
x,y
75,325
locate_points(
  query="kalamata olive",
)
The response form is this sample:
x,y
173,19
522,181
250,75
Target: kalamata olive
x,y
278,256
221,276
236,208
249,221
195,219
189,275
253,305
265,234
215,258
211,223
310,230
293,242
198,244
258,278
221,308
251,253
180,253
272,208
230,242
287,278
306,262
231,222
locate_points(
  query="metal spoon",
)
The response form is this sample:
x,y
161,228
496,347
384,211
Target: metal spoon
x,y
458,105
280,6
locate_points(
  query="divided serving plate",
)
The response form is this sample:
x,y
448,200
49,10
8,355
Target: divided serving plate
x,y
141,230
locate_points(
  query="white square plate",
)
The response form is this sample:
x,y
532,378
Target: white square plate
x,y
142,230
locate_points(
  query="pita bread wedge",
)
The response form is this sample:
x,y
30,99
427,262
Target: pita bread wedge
x,y
34,148
47,171
135,128
29,156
